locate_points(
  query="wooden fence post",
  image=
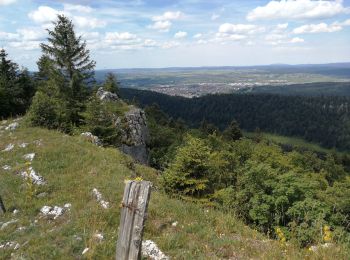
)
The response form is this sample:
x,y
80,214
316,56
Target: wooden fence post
x,y
2,206
132,220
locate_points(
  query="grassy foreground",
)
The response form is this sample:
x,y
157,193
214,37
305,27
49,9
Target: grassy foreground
x,y
72,168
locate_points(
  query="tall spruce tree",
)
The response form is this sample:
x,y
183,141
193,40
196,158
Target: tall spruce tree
x,y
65,70
67,51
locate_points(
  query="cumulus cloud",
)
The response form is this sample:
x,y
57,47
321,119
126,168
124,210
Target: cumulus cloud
x,y
229,28
279,39
198,35
7,2
296,40
45,15
116,37
162,26
282,26
77,8
163,23
180,35
167,16
317,28
88,22
298,9
31,34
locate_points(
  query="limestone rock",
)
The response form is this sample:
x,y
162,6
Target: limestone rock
x,y
134,134
35,177
92,138
151,250
104,95
104,204
12,126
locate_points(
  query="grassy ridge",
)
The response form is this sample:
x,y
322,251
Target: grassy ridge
x,y
72,167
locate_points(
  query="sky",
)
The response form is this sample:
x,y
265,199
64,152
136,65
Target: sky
x,y
184,33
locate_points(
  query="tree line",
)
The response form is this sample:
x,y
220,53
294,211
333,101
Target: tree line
x,y
324,120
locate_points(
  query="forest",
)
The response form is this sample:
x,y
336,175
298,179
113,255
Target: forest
x,y
324,119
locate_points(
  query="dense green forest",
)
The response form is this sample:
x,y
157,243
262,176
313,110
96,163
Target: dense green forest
x,y
324,120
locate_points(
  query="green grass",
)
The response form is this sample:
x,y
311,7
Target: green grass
x,y
72,167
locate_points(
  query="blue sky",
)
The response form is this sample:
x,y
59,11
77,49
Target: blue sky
x,y
164,33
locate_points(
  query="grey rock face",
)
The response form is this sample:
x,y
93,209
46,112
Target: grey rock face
x,y
135,134
106,95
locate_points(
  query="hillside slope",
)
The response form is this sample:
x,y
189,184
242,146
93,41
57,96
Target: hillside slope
x,y
72,167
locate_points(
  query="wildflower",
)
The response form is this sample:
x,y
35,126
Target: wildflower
x,y
327,234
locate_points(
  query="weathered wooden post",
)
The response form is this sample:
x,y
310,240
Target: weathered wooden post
x,y
132,220
2,206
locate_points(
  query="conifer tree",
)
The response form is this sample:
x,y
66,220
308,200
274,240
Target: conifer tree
x,y
65,70
16,87
111,83
68,52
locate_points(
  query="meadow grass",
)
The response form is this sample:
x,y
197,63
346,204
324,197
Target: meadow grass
x,y
72,167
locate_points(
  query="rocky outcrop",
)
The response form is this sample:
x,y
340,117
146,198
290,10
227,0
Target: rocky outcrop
x,y
106,95
132,127
134,134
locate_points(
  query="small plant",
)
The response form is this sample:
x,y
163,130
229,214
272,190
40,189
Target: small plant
x,y
31,190
327,234
280,235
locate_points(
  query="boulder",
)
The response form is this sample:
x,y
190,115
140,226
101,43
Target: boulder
x,y
104,95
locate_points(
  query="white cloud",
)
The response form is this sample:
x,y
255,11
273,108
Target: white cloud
x,y
88,22
7,2
282,26
31,34
345,23
279,39
225,37
167,16
116,37
214,17
296,40
298,9
44,14
180,35
163,23
169,45
25,45
5,36
229,28
77,8
150,43
162,26
317,28
198,35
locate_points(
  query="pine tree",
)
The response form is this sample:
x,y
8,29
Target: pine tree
x,y
65,70
16,87
68,52
111,83
233,132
